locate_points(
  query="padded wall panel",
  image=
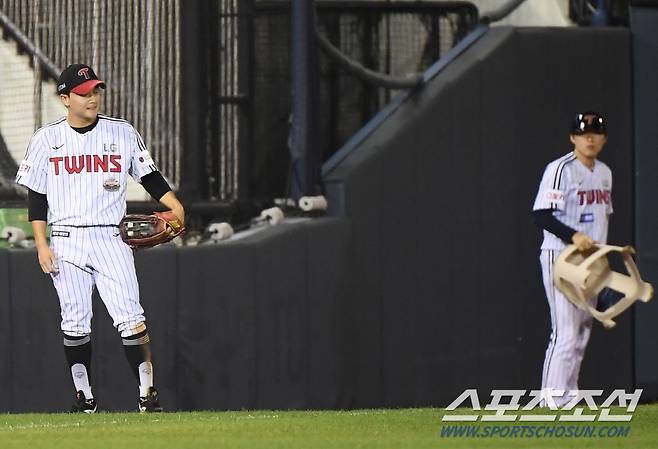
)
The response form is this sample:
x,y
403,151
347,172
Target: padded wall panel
x,y
644,22
216,353
329,294
281,319
6,379
40,377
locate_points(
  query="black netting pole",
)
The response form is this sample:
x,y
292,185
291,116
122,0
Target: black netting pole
x,y
195,68
304,174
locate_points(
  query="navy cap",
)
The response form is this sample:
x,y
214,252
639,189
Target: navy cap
x,y
588,122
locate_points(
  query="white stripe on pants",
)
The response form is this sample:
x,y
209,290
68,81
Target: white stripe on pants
x,y
89,256
570,333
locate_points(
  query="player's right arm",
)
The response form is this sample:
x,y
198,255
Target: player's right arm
x,y
33,169
47,259
33,174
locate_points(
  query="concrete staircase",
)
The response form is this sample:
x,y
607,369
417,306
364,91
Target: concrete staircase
x,y
17,124
17,84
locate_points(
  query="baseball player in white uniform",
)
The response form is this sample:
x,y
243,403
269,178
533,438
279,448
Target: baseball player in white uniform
x,y
76,170
573,205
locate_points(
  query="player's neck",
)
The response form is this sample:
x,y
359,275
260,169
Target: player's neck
x,y
586,161
79,122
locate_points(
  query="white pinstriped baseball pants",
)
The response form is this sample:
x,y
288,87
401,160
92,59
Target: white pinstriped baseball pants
x,y
570,333
95,256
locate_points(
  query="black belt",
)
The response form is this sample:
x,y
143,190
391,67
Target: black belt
x,y
87,226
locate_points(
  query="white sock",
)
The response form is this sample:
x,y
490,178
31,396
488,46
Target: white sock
x,y
145,377
81,380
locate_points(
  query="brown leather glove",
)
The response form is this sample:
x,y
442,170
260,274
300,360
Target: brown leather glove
x,y
147,231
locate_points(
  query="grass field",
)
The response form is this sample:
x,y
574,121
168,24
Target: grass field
x,y
408,428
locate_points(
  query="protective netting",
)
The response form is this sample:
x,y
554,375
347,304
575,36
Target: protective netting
x,y
397,39
132,45
228,78
135,46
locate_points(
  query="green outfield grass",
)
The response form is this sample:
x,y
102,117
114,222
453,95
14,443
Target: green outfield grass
x,y
408,428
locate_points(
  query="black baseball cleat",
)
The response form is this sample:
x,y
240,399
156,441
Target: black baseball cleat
x,y
150,403
83,405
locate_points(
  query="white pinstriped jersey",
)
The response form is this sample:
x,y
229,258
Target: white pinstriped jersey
x,y
84,176
580,198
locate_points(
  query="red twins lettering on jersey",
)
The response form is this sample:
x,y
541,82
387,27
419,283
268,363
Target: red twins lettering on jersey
x,y
595,196
87,163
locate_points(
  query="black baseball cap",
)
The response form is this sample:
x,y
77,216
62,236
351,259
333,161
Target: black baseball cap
x,y
588,122
78,78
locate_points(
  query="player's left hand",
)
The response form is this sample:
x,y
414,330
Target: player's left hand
x,y
583,241
169,200
180,214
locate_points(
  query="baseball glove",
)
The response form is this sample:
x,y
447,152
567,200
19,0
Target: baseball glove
x,y
146,231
